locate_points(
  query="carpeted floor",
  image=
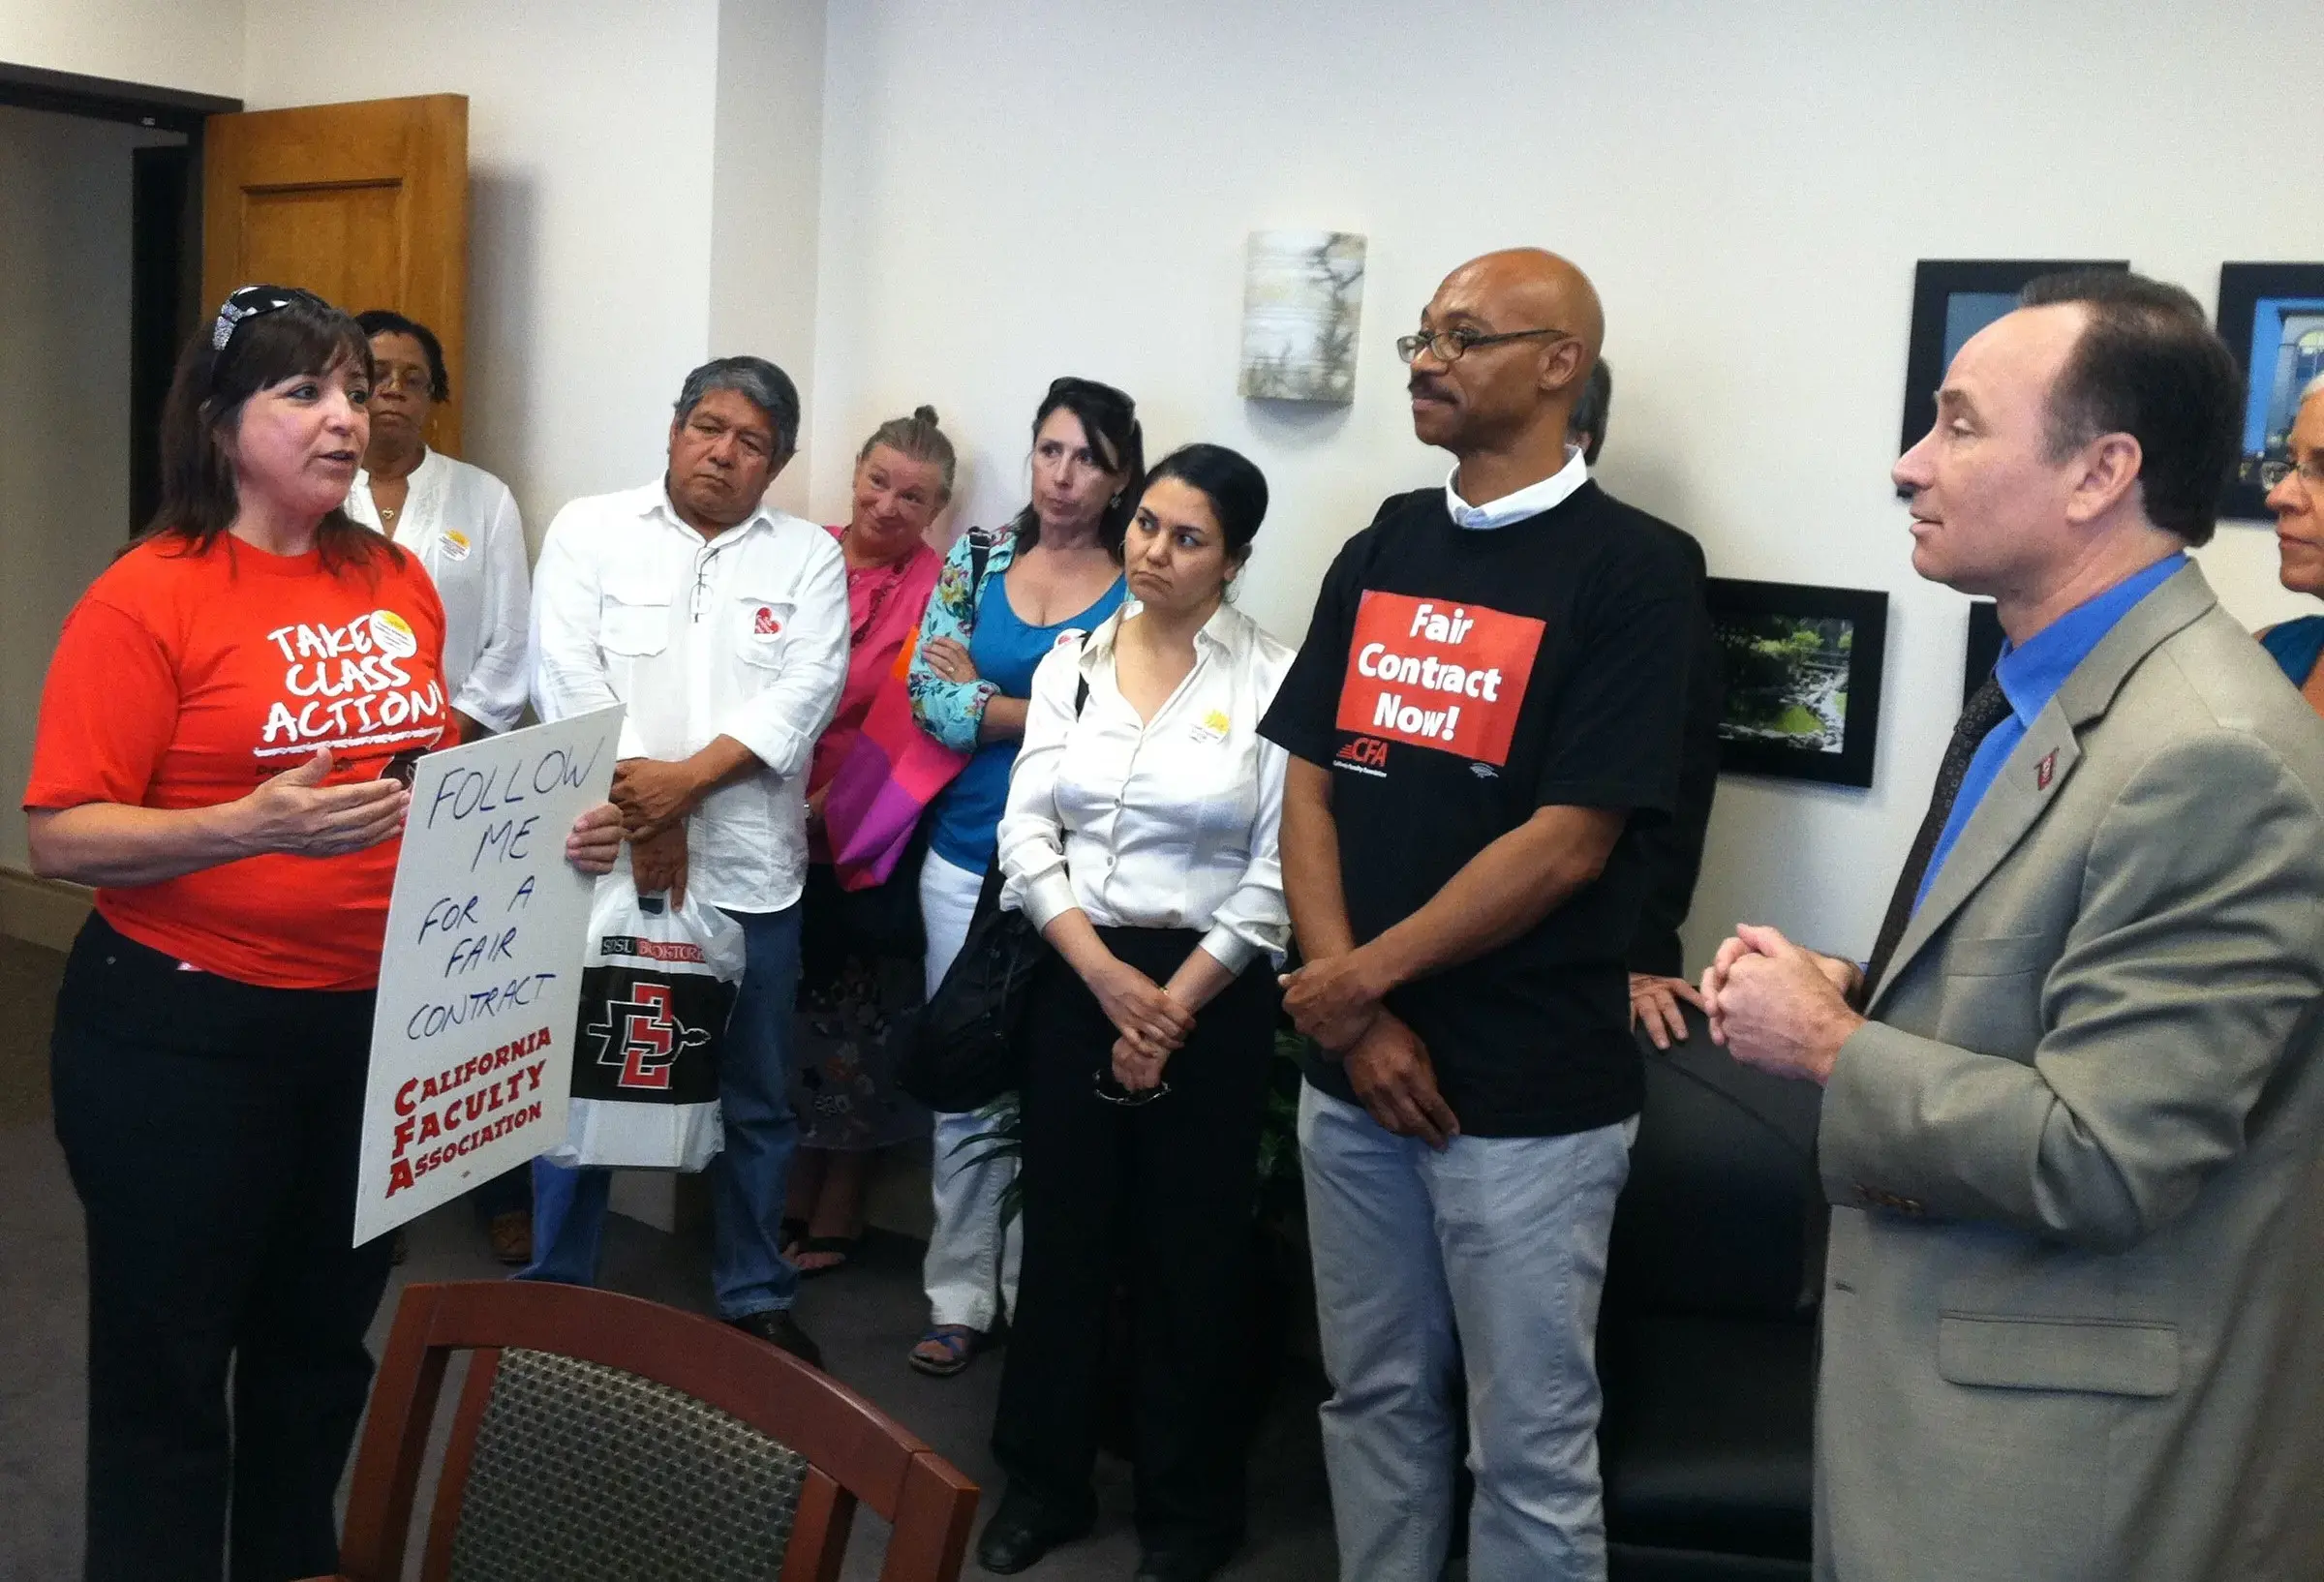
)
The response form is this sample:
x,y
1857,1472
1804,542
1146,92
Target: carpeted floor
x,y
865,1318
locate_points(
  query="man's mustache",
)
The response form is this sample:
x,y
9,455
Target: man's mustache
x,y
1428,387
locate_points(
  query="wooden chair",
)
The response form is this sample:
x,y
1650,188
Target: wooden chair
x,y
601,1436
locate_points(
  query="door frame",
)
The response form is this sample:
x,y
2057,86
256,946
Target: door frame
x,y
67,93
166,284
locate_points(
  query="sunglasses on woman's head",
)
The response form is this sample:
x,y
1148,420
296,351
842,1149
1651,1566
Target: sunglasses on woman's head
x,y
251,302
1092,389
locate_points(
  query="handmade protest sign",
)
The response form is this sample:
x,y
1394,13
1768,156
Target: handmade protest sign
x,y
472,1043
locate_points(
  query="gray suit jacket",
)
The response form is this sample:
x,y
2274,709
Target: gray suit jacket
x,y
2073,1322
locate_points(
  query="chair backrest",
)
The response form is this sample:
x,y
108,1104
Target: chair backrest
x,y
603,1436
1723,1214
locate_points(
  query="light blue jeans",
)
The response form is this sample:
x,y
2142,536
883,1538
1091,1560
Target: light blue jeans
x,y
1489,1256
750,1173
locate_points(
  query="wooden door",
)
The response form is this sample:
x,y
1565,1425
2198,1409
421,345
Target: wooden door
x,y
364,204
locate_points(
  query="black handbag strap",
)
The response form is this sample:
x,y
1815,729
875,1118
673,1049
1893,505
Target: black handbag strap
x,y
988,894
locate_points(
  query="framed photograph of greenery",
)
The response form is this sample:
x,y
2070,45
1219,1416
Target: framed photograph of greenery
x,y
1803,678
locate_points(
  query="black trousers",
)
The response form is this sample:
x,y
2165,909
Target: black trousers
x,y
211,1129
1166,1191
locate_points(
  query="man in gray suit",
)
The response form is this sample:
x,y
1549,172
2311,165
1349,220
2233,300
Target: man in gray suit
x,y
2075,1290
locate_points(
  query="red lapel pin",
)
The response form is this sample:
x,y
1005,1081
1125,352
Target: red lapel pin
x,y
2043,770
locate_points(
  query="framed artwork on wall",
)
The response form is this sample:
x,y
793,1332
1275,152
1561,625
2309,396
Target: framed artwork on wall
x,y
2272,318
1303,302
1952,299
1803,678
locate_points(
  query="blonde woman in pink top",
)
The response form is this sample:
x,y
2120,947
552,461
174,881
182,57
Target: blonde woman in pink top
x,y
860,938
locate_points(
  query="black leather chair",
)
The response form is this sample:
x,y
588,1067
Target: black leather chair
x,y
1706,1341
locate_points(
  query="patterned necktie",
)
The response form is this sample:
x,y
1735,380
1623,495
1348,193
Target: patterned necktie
x,y
1988,707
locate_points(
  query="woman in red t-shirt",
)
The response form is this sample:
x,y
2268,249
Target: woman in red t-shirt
x,y
216,754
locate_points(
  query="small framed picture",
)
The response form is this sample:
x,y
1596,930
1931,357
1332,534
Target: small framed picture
x,y
1803,678
1952,299
2272,318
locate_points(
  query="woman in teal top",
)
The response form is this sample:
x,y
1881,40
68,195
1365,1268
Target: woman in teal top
x,y
1003,601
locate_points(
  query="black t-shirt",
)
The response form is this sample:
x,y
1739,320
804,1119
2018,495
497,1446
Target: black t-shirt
x,y
1454,681
1673,848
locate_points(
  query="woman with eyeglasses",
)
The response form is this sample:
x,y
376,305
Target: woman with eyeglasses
x,y
461,523
1002,602
2296,495
456,519
217,754
1141,838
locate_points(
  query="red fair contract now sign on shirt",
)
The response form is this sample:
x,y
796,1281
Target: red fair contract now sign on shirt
x,y
1438,674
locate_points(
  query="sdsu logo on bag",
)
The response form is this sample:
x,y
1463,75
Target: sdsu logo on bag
x,y
650,1014
658,984
642,1038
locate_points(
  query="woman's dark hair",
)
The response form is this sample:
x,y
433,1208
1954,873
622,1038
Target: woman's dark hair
x,y
387,322
2148,364
1229,479
1109,419
918,438
262,335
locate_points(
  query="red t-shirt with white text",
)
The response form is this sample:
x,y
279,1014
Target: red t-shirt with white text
x,y
183,680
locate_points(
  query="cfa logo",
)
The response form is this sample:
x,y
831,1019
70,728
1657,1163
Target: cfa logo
x,y
1365,752
648,1040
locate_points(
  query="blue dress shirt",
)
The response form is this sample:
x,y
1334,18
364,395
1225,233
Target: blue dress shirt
x,y
2029,677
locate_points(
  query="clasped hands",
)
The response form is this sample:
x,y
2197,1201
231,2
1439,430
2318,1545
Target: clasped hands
x,y
1152,1024
655,796
1336,1001
1780,1007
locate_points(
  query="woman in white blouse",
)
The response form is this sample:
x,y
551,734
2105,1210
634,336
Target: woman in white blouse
x,y
1140,838
459,520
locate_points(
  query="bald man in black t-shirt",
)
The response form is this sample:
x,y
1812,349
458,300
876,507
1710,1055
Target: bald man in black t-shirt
x,y
1484,716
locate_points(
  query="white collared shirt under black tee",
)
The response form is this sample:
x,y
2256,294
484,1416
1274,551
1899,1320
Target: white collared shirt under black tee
x,y
1454,681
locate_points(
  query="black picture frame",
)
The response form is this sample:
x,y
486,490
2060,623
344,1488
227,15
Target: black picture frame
x,y
2245,290
1936,283
1984,650
1846,671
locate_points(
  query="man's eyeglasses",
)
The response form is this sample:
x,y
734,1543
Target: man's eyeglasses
x,y
2311,470
1447,346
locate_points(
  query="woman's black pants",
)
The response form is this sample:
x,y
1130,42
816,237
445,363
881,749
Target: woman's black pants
x,y
1165,1192
211,1131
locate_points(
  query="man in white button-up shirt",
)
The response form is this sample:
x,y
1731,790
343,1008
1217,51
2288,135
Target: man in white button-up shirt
x,y
723,625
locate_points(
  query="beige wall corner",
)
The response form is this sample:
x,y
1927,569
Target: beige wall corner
x,y
194,46
46,912
765,192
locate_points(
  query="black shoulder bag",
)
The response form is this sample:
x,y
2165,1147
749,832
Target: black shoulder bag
x,y
966,1048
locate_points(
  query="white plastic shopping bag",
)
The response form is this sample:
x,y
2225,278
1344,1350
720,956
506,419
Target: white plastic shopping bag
x,y
658,985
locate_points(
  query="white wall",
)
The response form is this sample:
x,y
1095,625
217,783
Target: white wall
x,y
1014,191
589,173
764,195
64,397
190,44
